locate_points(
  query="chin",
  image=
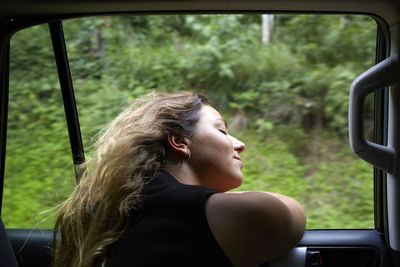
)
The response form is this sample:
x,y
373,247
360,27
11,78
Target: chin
x,y
239,182
235,183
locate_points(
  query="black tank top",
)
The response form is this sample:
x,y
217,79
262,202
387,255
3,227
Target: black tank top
x,y
170,229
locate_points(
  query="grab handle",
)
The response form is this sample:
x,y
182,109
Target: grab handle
x,y
379,76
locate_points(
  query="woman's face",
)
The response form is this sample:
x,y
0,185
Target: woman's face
x,y
214,153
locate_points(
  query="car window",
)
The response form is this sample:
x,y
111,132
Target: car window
x,y
39,169
281,82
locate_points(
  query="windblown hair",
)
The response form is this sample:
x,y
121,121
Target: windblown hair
x,y
129,153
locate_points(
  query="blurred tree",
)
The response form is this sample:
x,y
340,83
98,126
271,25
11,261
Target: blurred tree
x,y
267,27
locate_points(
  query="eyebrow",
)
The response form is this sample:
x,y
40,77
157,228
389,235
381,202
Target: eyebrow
x,y
226,124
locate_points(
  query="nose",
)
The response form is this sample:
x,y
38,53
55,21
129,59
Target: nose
x,y
237,144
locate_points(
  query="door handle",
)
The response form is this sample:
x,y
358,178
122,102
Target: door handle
x,y
379,76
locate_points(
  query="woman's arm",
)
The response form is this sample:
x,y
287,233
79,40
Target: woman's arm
x,y
254,227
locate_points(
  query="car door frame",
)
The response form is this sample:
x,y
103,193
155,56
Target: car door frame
x,y
318,240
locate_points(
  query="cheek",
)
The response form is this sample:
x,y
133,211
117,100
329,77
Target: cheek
x,y
211,148
218,146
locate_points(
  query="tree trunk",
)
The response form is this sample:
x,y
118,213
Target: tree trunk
x,y
267,27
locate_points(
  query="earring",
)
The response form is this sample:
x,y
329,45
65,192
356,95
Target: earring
x,y
188,156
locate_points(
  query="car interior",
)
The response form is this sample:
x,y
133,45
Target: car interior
x,y
341,246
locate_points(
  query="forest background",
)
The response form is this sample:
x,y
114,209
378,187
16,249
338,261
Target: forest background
x,y
285,96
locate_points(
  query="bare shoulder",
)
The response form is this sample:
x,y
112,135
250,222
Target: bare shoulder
x,y
254,227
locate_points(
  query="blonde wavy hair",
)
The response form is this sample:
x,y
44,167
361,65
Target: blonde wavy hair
x,y
129,152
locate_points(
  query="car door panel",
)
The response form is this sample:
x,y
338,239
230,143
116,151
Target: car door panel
x,y
353,248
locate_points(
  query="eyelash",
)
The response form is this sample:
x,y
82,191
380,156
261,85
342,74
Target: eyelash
x,y
224,132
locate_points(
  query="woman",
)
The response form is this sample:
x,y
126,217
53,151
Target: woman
x,y
155,193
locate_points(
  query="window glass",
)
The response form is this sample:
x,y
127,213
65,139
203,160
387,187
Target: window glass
x,y
39,169
282,83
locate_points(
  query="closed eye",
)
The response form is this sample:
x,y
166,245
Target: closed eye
x,y
223,131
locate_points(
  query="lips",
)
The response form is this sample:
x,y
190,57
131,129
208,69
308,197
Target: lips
x,y
238,158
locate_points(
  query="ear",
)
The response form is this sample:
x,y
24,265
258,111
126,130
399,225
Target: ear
x,y
179,144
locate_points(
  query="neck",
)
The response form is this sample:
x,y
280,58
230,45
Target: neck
x,y
183,173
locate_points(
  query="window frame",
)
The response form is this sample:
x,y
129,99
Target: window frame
x,y
381,99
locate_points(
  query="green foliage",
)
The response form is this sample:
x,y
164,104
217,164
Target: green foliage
x,y
38,161
335,188
289,94
269,166
342,194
